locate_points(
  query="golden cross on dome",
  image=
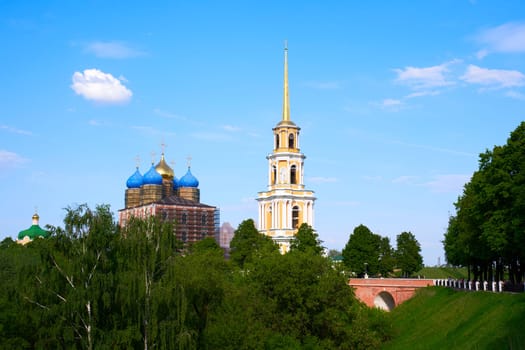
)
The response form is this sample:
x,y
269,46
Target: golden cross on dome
x,y
152,157
163,146
137,161
36,209
188,158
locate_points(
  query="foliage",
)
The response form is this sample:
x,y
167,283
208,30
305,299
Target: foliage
x,y
248,244
408,254
441,318
93,285
488,230
387,257
361,253
306,240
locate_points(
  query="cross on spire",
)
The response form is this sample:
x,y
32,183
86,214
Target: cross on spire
x,y
152,157
188,158
137,161
163,146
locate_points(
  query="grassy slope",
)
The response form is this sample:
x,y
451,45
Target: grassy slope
x,y
443,272
441,318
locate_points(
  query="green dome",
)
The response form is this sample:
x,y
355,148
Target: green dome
x,y
33,232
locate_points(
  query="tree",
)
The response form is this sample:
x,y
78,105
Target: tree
x,y
361,253
488,229
408,254
334,252
145,287
387,260
72,283
306,239
301,296
247,243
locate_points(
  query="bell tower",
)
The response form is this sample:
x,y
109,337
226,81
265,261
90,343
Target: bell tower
x,y
286,204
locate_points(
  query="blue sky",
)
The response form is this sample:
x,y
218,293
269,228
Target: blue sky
x,y
395,101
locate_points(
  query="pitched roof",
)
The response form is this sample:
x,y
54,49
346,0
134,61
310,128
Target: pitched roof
x,y
176,200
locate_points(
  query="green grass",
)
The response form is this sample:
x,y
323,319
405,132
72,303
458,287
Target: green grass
x,y
443,272
441,318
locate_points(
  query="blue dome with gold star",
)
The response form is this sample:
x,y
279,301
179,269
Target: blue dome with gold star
x,y
136,180
188,180
152,177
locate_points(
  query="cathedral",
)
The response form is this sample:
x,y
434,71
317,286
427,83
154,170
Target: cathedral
x,y
159,193
286,204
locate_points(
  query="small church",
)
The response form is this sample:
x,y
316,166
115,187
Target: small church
x,y
159,193
35,231
286,204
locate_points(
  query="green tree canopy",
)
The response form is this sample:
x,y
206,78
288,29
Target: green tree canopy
x,y
248,243
361,253
488,228
408,254
306,240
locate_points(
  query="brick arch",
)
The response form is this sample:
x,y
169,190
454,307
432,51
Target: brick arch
x,y
368,289
384,301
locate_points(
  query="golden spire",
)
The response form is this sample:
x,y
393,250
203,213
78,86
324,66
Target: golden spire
x,y
286,102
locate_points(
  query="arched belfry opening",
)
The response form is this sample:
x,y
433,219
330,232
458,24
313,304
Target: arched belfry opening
x,y
276,141
274,174
295,217
384,301
291,141
293,174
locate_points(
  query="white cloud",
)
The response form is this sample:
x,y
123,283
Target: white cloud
x,y
10,159
98,86
94,122
15,130
389,102
405,179
508,37
425,77
498,78
448,183
515,94
320,179
481,54
112,49
169,115
231,128
422,93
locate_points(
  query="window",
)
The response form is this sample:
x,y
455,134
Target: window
x,y
184,237
291,141
293,173
204,234
164,214
295,217
274,175
276,141
183,218
203,219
